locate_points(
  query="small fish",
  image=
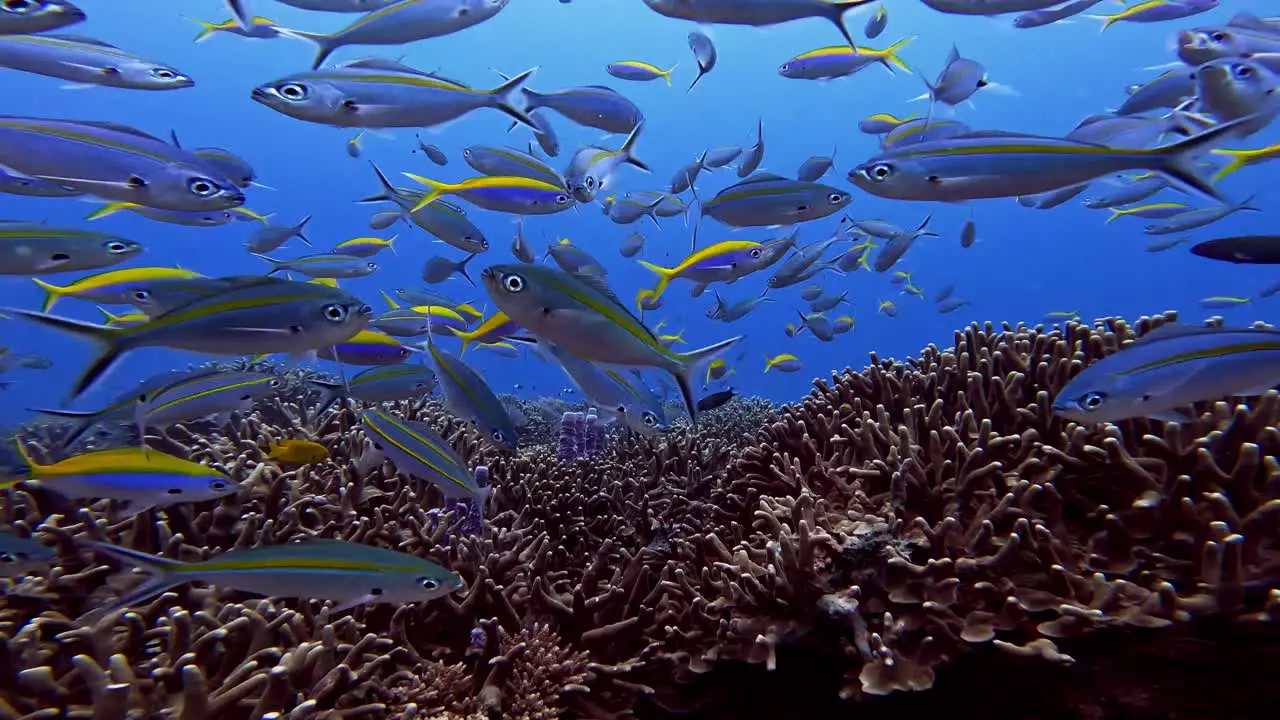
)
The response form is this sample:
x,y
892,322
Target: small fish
x,y
1221,302
686,176
1062,316
1270,290
950,305
270,238
505,161
942,295
388,383
509,194
124,319
114,287
704,52
381,220
1241,158
968,233
843,324
298,452
138,479
888,308
328,265
348,573
639,71
632,245
840,61
1161,244
1047,16
1191,219
259,27
758,13
828,302
469,397
441,218
432,153
717,369
37,249
732,312
716,400
766,200
492,329
720,157
1169,90
415,449
784,362
722,262
922,130
86,61
1169,368
440,268
594,106
416,321
881,123
366,347
593,167
876,23
412,296
811,293
1157,11
815,167
752,158
365,247
544,134
958,81
1149,210
20,556
574,260
1133,191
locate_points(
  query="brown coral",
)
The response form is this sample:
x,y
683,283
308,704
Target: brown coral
x,y
894,526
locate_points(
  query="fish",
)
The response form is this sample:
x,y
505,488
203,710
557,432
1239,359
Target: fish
x,y
720,157
432,153
87,61
722,262
438,269
115,162
583,316
959,79
950,305
921,130
34,16
632,245
492,329
259,27
1062,316
881,123
887,308
114,287
1204,44
378,93
1199,217
412,296
1047,16
1241,158
509,194
1161,244
365,247
269,238
615,396
839,61
1234,88
441,218
574,260
592,167
759,13
1170,89
1241,249
402,22
37,249
765,199
544,133
1009,165
415,449
415,321
326,265
196,218
594,106
1131,192
383,220
812,169
504,161
298,452
754,155
348,573
137,479
783,362
1157,11
386,383
266,316
716,400
686,176
366,347
717,369
1169,368
1149,210
470,398
898,245
876,23
988,7
20,556
843,324
704,53
968,233
639,71
828,302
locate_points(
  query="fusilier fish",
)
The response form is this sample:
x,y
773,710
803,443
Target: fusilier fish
x,y
331,265
87,61
594,106
505,161
1243,249
841,61
592,167
704,53
639,71
469,397
415,449
37,249
765,199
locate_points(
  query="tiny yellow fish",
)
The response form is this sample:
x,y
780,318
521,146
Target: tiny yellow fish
x,y
298,452
888,307
784,362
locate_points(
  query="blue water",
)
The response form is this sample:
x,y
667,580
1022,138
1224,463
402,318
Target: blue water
x,y
1027,262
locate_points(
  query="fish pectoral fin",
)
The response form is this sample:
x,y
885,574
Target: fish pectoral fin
x,y
129,508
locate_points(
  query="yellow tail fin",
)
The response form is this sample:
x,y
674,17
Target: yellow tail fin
x,y
52,293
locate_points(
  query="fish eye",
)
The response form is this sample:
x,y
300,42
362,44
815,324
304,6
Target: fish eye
x,y
335,313
202,187
785,67
650,420
835,198
466,153
275,383
591,183
117,247
1092,400
19,6
496,435
755,253
292,91
372,266
141,296
429,584
217,485
1242,72
366,310
164,73
513,283
878,172
562,199
1218,36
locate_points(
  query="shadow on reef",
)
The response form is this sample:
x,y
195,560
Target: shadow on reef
x,y
920,536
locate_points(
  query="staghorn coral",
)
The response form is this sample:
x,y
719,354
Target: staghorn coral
x,y
899,523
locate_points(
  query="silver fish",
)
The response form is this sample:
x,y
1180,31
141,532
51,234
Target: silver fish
x,y
1170,90
38,249
765,199
87,61
267,239
508,162
592,167
755,155
814,168
415,449
438,269
19,555
1199,217
470,398
594,106
1048,16
334,266
441,218
704,52
759,12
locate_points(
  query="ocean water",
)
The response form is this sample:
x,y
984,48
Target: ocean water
x,y
1026,264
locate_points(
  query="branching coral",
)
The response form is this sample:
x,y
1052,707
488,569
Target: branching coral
x,y
897,520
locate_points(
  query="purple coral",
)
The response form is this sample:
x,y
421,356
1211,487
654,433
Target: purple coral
x,y
582,435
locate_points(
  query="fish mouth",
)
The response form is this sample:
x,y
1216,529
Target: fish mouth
x,y
260,95
1059,409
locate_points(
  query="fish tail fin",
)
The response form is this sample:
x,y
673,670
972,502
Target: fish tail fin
x,y
30,469
462,270
161,575
437,189
666,74
52,294
84,420
1115,213
835,10
107,340
1239,158
391,244
665,276
891,58
687,369
110,209
1178,160
325,44
502,98
1107,21
391,303
206,29
628,151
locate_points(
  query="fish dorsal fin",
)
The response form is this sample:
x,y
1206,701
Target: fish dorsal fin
x,y
605,88
377,63
84,39
761,176
118,127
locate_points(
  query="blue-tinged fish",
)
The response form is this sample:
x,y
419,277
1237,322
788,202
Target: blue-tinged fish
x,y
839,61
609,390
378,93
1191,219
876,23
263,317
592,167
1170,368
417,321
1157,11
114,287
639,71
492,329
1170,89
325,265
446,221
498,161
33,16
881,123
367,347
403,22
594,106
754,155
470,398
138,478
921,130
544,133
19,555
1257,40
340,6
758,12
986,165
631,207
732,312
722,262
115,162
1129,192
1048,16
813,168
260,28
509,194
389,383
1224,302
348,573
1236,88
88,62
189,218
783,362
583,316
988,7
415,449
765,199
37,249
267,239
704,53
11,184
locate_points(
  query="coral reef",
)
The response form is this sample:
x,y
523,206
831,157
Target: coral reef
x,y
582,435
914,524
